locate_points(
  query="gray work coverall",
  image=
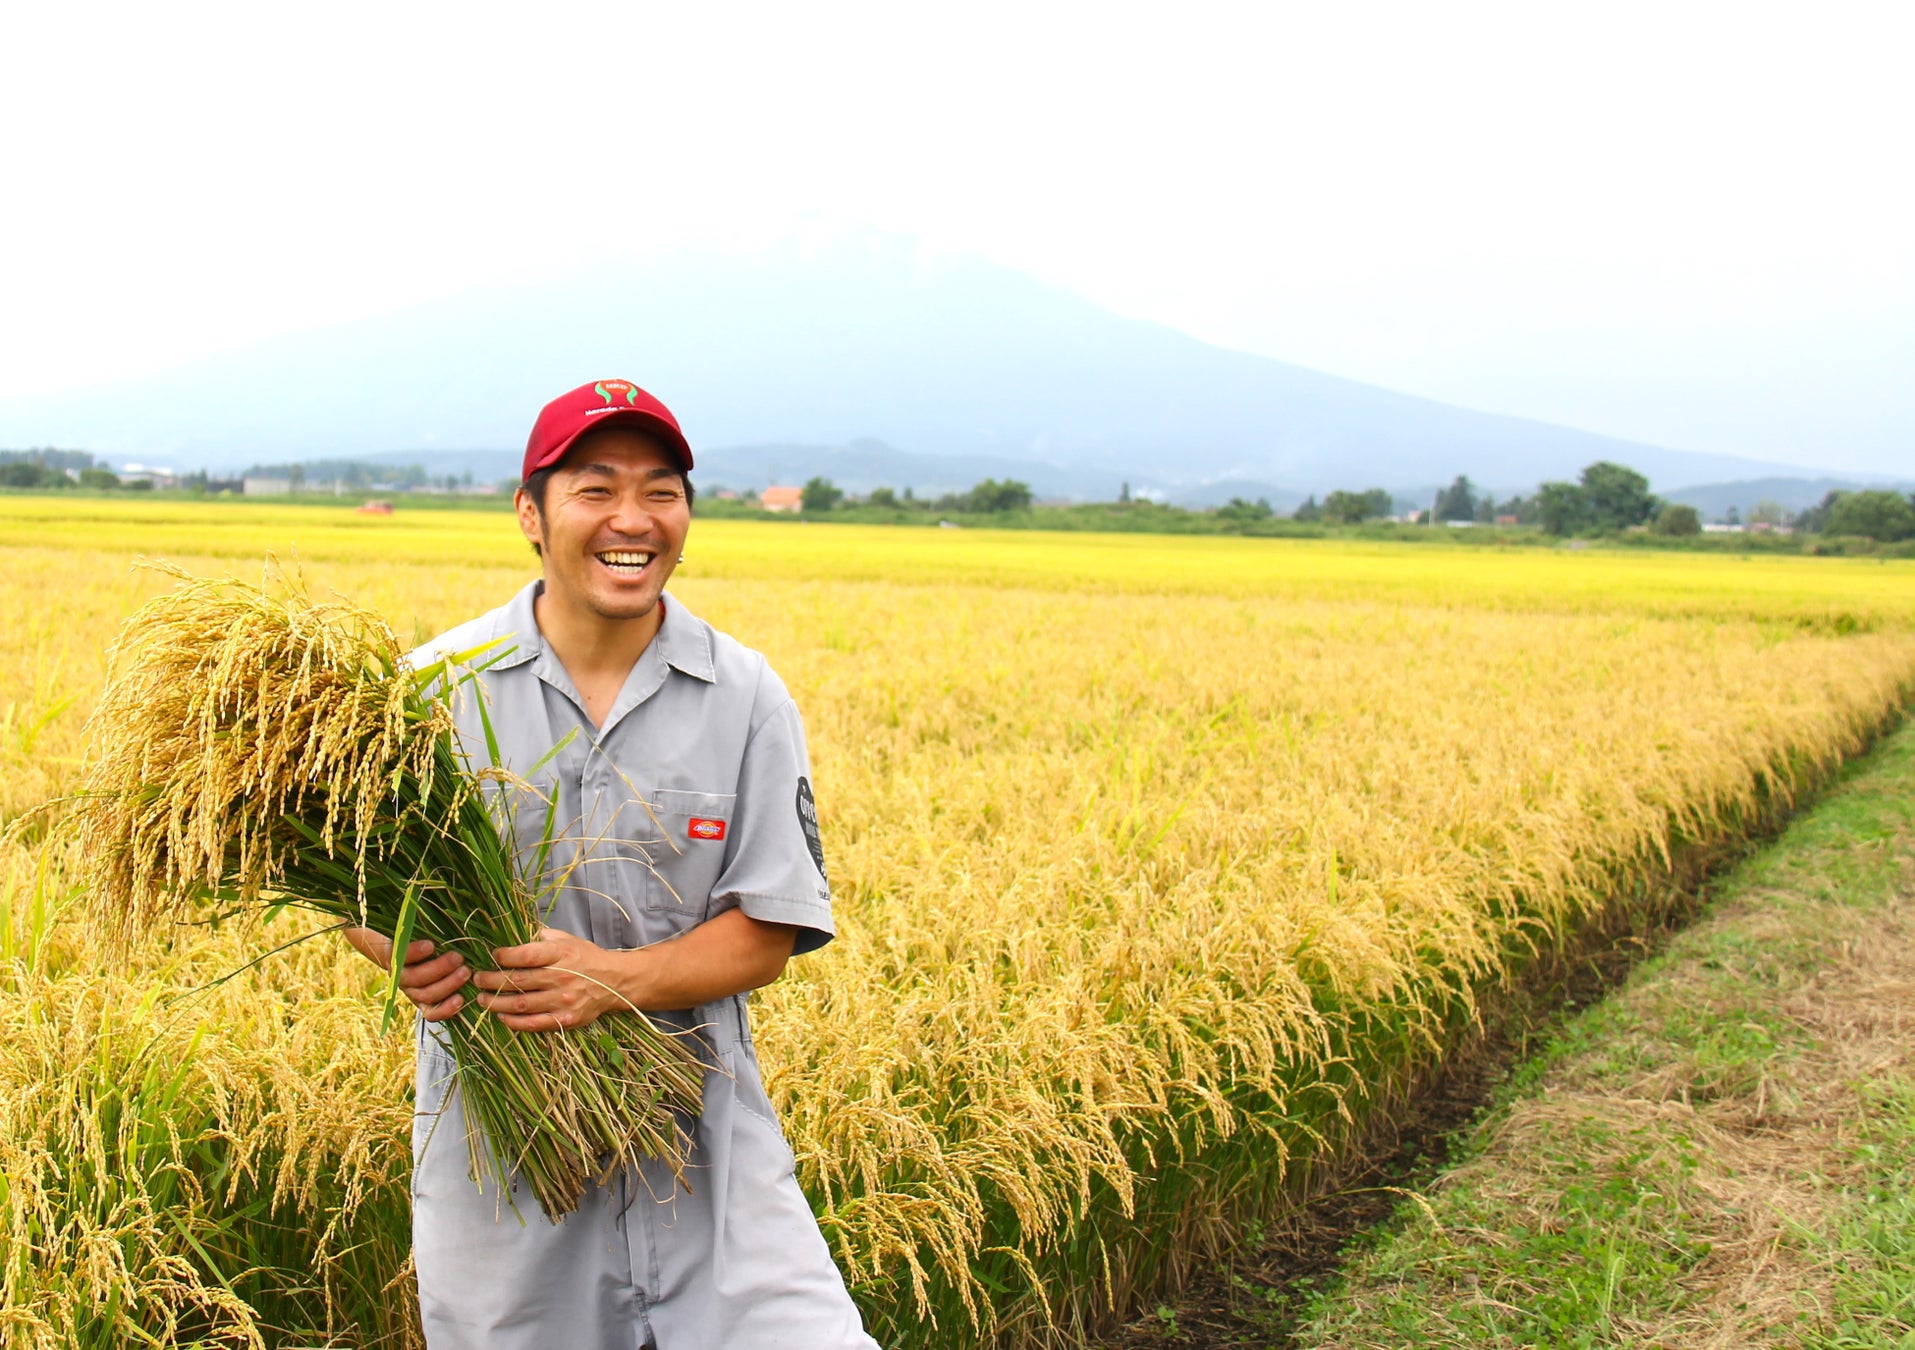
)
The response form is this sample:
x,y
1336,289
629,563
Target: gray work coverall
x,y
707,736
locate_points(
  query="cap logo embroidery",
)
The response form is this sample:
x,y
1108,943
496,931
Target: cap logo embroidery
x,y
701,828
605,389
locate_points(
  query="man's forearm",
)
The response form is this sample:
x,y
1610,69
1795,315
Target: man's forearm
x,y
562,980
728,954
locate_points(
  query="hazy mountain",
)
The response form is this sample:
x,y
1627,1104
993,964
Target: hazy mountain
x,y
965,363
1713,500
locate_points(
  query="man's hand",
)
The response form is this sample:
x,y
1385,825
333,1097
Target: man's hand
x,y
561,981
431,982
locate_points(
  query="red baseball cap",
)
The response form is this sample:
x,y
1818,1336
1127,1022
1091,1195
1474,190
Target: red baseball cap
x,y
569,416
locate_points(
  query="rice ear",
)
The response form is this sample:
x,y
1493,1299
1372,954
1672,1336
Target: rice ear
x,y
226,709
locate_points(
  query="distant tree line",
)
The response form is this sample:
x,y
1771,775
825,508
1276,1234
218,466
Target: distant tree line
x,y
46,468
989,497
1241,512
61,469
1606,498
1346,508
49,468
1612,497
1874,513
58,469
359,475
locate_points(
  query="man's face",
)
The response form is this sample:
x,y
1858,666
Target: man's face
x,y
615,520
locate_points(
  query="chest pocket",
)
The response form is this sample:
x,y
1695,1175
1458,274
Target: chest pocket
x,y
686,864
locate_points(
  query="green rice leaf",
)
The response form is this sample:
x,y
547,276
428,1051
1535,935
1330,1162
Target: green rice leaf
x,y
425,676
485,720
553,753
401,939
545,834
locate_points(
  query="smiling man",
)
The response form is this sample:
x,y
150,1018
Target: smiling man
x,y
689,873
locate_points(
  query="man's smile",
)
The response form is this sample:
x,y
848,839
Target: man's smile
x,y
624,562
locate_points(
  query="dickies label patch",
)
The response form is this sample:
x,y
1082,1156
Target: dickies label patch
x,y
808,822
702,828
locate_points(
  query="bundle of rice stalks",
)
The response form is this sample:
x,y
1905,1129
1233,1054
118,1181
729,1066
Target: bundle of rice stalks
x,y
254,747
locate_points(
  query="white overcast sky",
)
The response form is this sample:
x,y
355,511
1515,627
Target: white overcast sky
x,y
1689,224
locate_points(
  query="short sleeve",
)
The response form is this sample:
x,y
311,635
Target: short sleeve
x,y
774,860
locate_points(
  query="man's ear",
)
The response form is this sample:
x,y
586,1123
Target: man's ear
x,y
531,524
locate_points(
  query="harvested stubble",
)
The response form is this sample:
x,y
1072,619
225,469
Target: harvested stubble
x,y
1152,858
255,747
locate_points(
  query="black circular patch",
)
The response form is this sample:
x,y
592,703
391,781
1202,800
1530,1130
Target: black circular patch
x,y
808,822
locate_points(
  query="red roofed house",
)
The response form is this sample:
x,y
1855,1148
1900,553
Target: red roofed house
x,y
782,498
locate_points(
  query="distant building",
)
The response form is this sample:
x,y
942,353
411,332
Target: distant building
x,y
146,473
1506,520
265,487
725,495
375,508
782,499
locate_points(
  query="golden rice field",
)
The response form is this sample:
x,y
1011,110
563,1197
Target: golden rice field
x,y
1159,863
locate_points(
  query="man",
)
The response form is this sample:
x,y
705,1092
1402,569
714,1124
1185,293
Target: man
x,y
695,873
